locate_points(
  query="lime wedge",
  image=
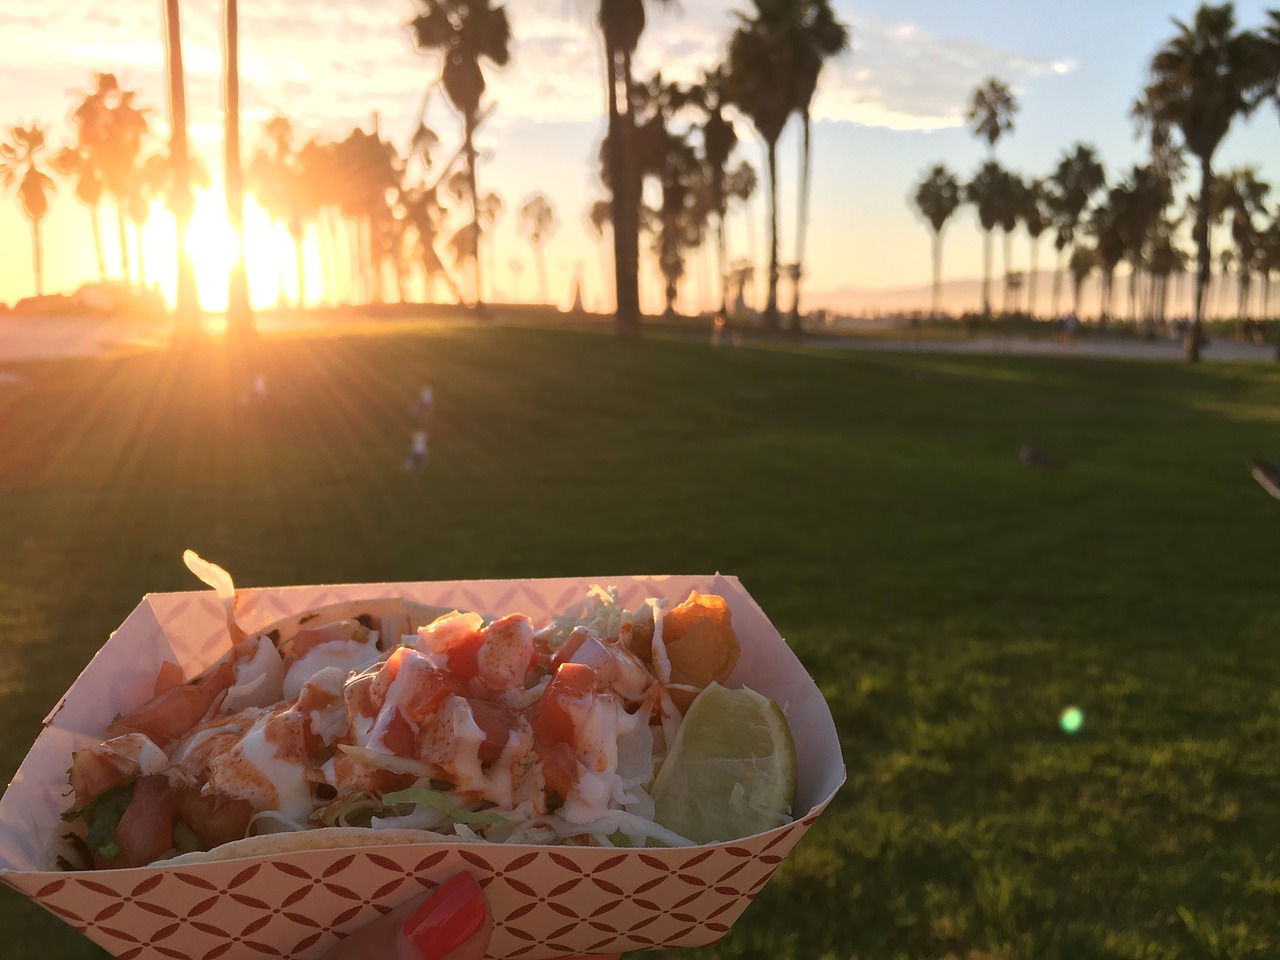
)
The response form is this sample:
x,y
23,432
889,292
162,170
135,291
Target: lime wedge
x,y
731,772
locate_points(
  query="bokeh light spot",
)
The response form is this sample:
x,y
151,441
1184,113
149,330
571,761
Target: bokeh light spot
x,y
1071,720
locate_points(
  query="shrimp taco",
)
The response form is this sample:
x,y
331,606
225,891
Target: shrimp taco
x,y
389,722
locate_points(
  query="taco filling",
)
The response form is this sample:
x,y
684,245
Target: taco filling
x,y
391,717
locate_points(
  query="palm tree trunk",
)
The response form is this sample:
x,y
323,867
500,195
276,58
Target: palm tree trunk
x,y
1057,283
142,263
937,272
624,200
295,231
97,242
541,259
771,306
239,319
1031,277
37,255
123,239
186,310
1191,347
986,274
469,139
802,224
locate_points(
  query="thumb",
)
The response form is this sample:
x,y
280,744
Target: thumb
x,y
450,922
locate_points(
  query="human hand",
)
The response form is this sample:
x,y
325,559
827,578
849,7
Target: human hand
x,y
450,922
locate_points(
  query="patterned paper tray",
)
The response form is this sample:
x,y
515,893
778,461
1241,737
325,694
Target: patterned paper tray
x,y
546,901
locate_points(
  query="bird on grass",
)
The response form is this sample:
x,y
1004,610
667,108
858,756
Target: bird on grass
x,y
1034,457
1267,474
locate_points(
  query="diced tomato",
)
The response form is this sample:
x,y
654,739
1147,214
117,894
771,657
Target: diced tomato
x,y
422,688
94,773
145,830
171,714
559,767
572,684
399,736
497,722
170,675
215,818
462,658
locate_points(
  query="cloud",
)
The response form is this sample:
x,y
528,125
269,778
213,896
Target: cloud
x,y
901,77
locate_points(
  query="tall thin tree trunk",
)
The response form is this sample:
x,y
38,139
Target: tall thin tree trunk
x,y
239,318
771,305
986,274
469,138
296,232
37,257
722,262
1031,277
802,224
142,262
624,200
186,311
937,272
97,242
122,238
1191,348
1057,283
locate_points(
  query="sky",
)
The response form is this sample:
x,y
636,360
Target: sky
x,y
885,112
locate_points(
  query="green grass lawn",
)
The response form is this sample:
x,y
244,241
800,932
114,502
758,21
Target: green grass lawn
x,y
949,601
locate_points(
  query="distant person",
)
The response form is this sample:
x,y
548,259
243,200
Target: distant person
x,y
425,404
417,456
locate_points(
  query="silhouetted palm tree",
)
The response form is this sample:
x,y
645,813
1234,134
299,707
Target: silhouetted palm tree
x,y
718,140
275,177
1201,80
937,197
991,110
465,32
817,35
239,316
1081,264
186,311
538,224
598,217
1078,176
1035,217
1241,196
1109,245
19,154
984,192
760,81
622,23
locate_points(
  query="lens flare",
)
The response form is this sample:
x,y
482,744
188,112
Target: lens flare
x,y
1071,720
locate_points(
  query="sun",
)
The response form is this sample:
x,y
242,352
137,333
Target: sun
x,y
214,248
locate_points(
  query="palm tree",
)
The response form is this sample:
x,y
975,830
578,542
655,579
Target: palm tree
x,y
937,197
239,317
1241,196
760,81
186,311
1109,245
465,32
1035,217
275,176
1009,203
984,192
1083,260
538,224
598,214
1201,79
622,23
25,143
1078,176
114,127
718,140
991,109
816,34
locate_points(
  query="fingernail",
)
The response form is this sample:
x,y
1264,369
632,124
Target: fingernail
x,y
453,914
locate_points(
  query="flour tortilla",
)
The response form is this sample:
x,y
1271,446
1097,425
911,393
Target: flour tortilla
x,y
321,838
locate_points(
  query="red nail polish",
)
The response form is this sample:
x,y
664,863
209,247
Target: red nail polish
x,y
453,914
